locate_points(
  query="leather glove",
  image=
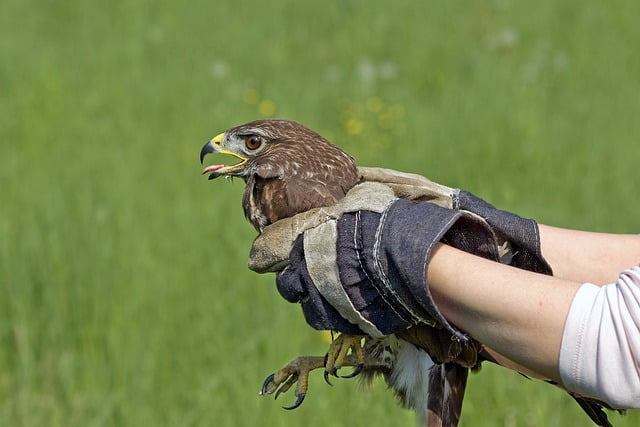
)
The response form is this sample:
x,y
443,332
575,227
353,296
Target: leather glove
x,y
361,265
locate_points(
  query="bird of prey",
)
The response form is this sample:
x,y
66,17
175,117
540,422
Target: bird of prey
x,y
289,169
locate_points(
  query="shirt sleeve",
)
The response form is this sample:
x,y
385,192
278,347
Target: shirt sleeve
x,y
600,352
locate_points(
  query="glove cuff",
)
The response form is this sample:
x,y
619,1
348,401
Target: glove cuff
x,y
522,233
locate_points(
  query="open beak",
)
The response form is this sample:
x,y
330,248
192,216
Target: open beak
x,y
214,146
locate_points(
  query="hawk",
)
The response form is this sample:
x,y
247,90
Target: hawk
x,y
289,169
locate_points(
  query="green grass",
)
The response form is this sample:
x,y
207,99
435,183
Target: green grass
x,y
124,294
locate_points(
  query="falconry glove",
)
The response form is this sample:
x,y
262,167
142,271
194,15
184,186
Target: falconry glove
x,y
361,266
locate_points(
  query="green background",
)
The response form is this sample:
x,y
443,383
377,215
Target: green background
x,y
124,294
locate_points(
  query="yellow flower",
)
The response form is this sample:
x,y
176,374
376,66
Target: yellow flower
x,y
354,126
266,108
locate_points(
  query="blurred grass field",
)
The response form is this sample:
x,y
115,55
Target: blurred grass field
x,y
124,294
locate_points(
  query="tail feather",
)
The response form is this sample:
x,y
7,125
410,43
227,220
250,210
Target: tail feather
x,y
434,391
447,383
410,377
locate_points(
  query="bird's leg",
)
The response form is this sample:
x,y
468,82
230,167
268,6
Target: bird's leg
x,y
346,350
295,371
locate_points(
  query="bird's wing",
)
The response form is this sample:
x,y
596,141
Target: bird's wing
x,y
305,195
270,197
278,198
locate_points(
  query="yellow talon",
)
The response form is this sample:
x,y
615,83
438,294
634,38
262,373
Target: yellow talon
x,y
338,355
345,350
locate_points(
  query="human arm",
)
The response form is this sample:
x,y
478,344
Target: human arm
x,y
529,309
584,256
581,335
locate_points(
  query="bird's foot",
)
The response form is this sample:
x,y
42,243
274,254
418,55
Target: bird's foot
x,y
346,350
296,371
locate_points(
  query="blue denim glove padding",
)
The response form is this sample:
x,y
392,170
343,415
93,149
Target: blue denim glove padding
x,y
295,285
522,233
367,272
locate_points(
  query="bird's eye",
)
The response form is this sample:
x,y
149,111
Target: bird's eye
x,y
253,142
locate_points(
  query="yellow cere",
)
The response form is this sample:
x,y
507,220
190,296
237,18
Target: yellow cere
x,y
218,139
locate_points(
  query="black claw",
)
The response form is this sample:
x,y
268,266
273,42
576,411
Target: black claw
x,y
298,402
355,372
277,393
266,383
326,378
333,371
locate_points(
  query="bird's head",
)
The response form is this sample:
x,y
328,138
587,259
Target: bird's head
x,y
287,167
243,142
271,149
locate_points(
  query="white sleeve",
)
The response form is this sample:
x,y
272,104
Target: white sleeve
x,y
600,353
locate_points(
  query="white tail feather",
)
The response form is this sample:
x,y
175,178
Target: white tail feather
x,y
410,376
